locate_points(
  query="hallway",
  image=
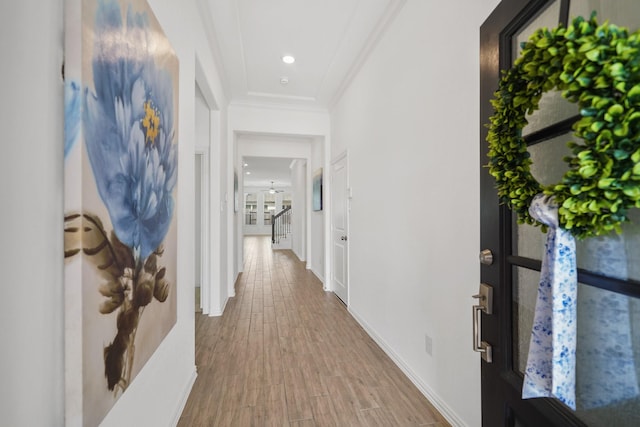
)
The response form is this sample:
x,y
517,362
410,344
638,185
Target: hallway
x,y
286,353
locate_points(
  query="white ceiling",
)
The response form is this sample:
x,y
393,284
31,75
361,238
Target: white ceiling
x,y
328,38
266,169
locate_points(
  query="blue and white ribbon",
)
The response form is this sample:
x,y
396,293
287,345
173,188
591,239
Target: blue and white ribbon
x,y
551,363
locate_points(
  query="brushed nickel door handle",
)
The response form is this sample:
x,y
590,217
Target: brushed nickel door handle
x,y
485,305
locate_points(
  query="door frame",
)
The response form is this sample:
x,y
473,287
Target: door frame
x,y
261,144
203,148
205,239
328,194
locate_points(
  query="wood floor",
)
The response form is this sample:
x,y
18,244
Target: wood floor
x,y
286,353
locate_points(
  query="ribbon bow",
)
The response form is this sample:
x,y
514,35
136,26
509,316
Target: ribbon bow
x,y
551,363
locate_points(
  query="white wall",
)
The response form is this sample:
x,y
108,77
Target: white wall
x,y
409,121
264,120
32,309
31,252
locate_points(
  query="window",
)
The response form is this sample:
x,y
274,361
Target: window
x,y
250,209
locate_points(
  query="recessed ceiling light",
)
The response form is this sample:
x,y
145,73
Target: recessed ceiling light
x,y
288,59
248,173
284,80
246,164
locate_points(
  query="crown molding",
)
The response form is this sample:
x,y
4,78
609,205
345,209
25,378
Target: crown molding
x,y
381,27
248,103
214,47
285,97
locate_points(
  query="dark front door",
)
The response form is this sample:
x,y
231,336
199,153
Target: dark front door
x,y
608,347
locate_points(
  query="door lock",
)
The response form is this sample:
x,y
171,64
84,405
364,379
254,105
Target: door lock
x,y
486,257
485,305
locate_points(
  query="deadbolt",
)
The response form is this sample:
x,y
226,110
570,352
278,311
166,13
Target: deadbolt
x,y
486,257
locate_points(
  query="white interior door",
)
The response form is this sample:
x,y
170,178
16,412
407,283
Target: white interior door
x,y
339,229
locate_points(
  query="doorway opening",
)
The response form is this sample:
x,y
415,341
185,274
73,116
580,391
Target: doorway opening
x,y
274,202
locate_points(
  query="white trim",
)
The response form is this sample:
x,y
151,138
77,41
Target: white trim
x,y
212,148
207,21
220,312
231,216
439,403
284,97
185,396
205,238
317,274
251,103
216,213
326,201
300,258
254,147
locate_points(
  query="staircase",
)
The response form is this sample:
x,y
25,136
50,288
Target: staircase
x,y
281,230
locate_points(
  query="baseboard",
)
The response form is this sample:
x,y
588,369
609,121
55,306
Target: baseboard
x,y
185,396
444,409
220,312
315,273
300,258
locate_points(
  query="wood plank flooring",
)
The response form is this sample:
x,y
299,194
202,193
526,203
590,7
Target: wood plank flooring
x,y
287,353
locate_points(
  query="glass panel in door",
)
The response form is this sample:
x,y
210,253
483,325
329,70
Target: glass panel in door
x,y
608,350
553,107
623,13
548,167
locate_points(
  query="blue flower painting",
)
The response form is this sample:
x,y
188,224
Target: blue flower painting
x,y
120,214
129,136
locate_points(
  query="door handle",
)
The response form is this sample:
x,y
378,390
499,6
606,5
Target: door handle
x,y
485,305
343,238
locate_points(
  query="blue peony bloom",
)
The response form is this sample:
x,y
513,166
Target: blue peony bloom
x,y
128,129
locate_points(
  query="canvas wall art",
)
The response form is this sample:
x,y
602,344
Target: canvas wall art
x,y
121,159
317,190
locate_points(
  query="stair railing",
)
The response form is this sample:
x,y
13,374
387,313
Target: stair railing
x,y
280,225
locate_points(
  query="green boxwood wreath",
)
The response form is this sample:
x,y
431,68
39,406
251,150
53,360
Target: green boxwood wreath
x,y
598,67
